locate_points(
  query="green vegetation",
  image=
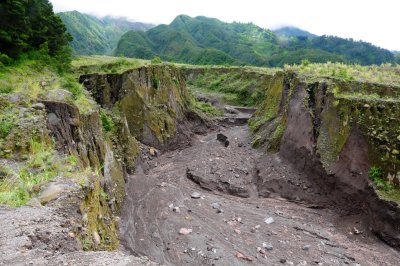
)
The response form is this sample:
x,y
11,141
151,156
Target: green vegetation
x,y
92,35
105,64
18,187
107,122
387,74
34,80
208,41
385,188
6,123
207,108
236,86
32,27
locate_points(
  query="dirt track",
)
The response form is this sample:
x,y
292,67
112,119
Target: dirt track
x,y
245,187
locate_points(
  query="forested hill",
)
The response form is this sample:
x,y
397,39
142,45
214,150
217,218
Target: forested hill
x,y
92,35
203,40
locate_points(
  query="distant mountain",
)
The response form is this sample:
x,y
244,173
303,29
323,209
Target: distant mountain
x,y
203,40
293,32
94,35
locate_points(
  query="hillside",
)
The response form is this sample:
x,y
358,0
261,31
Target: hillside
x,y
92,35
203,40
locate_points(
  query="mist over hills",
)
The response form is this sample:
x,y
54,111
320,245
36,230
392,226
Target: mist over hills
x,y
203,40
93,35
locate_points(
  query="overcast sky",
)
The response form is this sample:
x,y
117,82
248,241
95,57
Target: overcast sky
x,y
372,21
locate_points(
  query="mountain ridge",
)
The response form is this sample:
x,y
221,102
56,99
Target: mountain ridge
x,y
203,40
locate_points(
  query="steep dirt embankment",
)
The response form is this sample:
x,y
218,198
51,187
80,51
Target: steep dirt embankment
x,y
335,131
140,107
153,101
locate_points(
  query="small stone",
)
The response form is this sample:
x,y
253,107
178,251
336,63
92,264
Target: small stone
x,y
237,176
267,246
215,205
185,231
282,260
38,106
367,106
176,209
269,220
96,237
243,257
306,247
153,152
52,192
356,231
237,231
195,195
71,234
394,151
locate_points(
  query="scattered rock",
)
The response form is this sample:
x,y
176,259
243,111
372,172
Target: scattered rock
x,y
215,205
153,152
306,247
267,246
38,106
356,231
195,195
269,220
223,139
185,231
243,257
282,260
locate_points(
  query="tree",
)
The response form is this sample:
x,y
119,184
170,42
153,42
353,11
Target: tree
x,y
27,25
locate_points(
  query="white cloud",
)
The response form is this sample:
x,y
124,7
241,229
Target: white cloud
x,y
371,21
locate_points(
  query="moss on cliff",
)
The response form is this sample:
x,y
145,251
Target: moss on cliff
x,y
97,219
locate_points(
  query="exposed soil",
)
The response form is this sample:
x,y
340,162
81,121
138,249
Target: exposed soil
x,y
43,235
252,208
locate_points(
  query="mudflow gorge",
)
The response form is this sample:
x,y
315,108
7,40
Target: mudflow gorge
x,y
283,184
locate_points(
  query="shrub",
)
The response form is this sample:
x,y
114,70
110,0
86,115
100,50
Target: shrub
x,y
107,122
156,60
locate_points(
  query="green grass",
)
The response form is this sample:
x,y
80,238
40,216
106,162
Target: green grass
x,y
107,122
207,108
237,86
385,189
33,80
42,165
6,123
105,64
386,74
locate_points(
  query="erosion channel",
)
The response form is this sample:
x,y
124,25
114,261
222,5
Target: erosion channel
x,y
210,198
234,221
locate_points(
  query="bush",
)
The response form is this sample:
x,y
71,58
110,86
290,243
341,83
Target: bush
x,y
156,60
6,124
5,60
107,122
